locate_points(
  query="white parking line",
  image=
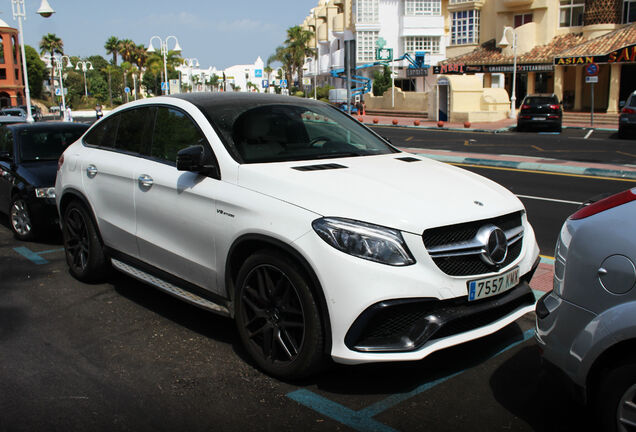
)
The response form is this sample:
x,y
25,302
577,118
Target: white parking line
x,y
588,134
550,199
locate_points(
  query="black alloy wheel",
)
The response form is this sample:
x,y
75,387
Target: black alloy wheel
x,y
20,220
277,317
616,399
84,252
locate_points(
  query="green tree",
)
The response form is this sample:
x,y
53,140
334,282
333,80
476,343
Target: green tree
x,y
51,44
214,81
112,47
36,71
381,81
297,43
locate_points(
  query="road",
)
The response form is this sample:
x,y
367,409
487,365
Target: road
x,y
600,146
122,356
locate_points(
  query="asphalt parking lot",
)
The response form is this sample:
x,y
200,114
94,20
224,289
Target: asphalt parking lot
x,y
122,356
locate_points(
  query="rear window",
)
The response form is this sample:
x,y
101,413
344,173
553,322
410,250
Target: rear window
x,y
631,102
541,100
46,144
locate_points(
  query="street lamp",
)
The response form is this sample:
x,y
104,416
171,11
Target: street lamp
x,y
164,52
191,62
86,65
57,63
504,43
19,13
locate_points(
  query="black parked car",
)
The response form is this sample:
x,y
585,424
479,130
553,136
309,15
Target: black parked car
x,y
540,111
28,165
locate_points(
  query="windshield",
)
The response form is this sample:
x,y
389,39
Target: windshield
x,y
288,132
46,145
541,100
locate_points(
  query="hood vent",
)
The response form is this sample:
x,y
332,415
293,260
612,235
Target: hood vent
x,y
409,159
320,167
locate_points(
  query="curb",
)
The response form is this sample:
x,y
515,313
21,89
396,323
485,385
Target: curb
x,y
503,129
533,166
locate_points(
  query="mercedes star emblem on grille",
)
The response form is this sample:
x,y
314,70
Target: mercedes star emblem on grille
x,y
495,244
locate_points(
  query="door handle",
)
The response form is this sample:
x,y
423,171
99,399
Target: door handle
x,y
91,171
145,181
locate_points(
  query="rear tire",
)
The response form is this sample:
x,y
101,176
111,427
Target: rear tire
x,y
84,251
616,396
278,317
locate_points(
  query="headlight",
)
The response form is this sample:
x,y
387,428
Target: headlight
x,y
46,192
363,240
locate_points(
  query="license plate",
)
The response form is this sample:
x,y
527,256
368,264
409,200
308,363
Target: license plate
x,y
488,287
538,118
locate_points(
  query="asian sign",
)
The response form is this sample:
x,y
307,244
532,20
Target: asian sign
x,y
623,55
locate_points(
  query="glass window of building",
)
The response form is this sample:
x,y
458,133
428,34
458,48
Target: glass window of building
x,y
465,27
629,11
430,44
365,45
571,13
367,11
15,49
522,19
1,50
423,7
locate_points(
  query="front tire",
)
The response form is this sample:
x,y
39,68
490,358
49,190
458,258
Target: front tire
x,y
20,220
616,403
84,252
277,316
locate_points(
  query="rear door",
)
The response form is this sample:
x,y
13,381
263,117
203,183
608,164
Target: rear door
x,y
6,173
176,209
108,168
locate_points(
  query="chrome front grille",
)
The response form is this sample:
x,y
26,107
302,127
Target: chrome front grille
x,y
458,249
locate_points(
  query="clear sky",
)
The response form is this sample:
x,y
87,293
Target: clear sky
x,y
217,33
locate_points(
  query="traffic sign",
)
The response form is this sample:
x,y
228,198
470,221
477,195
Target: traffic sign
x,y
385,54
591,69
127,89
258,73
164,86
265,84
591,79
283,83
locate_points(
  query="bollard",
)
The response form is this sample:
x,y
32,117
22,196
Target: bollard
x,y
440,123
416,122
394,121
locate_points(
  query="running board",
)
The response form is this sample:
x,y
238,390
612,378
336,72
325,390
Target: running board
x,y
170,288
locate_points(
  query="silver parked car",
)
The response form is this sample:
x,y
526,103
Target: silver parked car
x,y
627,118
586,326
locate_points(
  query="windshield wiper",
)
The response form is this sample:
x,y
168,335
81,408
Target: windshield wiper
x,y
337,155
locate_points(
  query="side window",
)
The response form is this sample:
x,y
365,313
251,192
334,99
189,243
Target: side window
x,y
173,131
6,141
103,135
132,132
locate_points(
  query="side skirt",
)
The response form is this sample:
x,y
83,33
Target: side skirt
x,y
172,289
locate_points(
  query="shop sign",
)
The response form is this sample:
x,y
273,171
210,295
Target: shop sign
x,y
623,55
416,72
451,68
520,68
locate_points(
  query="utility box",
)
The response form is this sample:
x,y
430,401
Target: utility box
x,y
338,96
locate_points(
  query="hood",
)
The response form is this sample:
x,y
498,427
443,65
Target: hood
x,y
410,195
39,174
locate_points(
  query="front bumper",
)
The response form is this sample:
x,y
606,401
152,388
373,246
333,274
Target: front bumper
x,y
352,285
43,212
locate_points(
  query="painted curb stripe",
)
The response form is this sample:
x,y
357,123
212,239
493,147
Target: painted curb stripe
x,y
35,257
362,420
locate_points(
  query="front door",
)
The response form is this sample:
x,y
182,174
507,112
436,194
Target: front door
x,y
176,209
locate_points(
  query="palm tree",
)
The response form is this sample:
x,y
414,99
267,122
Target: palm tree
x,y
127,49
51,44
112,47
214,81
297,42
140,58
283,55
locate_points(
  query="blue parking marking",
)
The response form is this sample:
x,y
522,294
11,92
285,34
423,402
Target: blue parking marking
x,y
363,420
35,257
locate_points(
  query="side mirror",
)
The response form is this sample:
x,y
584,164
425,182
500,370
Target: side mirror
x,y
193,159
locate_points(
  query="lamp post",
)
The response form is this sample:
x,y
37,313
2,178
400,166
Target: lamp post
x,y
163,45
504,43
86,65
57,63
19,13
191,62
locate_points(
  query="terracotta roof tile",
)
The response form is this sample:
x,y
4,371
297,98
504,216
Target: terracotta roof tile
x,y
602,45
489,54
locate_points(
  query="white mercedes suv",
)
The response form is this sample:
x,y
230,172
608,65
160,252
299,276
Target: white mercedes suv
x,y
317,236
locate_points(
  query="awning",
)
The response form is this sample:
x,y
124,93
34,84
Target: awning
x,y
618,46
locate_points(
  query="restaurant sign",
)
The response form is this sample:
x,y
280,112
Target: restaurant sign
x,y
623,55
454,69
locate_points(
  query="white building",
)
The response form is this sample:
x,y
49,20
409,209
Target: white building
x,y
407,26
237,77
